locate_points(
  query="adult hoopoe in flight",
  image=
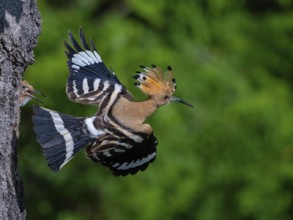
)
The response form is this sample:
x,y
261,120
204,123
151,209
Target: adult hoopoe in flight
x,y
115,136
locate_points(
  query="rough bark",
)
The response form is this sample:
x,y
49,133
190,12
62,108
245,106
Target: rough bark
x,y
19,28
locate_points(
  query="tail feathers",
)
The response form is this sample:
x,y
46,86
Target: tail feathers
x,y
61,136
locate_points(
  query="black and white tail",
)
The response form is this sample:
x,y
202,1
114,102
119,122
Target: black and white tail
x,y
61,136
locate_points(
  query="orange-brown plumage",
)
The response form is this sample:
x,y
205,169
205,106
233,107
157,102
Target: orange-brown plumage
x,y
154,81
159,87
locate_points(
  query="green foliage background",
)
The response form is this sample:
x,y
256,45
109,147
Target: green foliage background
x,y
231,157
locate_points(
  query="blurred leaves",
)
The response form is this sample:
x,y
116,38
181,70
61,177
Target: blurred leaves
x,y
231,157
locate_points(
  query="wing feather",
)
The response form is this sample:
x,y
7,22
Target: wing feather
x,y
124,156
89,75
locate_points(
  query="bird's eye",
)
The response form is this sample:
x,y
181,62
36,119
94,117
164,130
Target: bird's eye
x,y
166,97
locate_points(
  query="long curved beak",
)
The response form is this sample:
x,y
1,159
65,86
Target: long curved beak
x,y
175,99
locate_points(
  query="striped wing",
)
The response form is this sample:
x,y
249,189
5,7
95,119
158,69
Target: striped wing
x,y
90,82
124,156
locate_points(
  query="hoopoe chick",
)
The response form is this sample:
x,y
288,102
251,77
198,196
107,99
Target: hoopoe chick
x,y
116,135
27,93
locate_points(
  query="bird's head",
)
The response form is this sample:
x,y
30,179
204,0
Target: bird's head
x,y
158,85
27,93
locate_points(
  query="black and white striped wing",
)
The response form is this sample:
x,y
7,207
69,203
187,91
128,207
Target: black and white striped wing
x,y
124,156
90,82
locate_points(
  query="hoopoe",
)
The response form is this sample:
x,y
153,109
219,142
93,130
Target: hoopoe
x,y
27,93
116,135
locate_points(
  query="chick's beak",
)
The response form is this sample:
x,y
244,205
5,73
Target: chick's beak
x,y
175,99
31,93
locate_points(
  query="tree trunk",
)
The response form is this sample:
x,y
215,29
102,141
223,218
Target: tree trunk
x,y
19,28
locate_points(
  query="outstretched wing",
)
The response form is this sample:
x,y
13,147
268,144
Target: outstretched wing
x,y
90,82
124,156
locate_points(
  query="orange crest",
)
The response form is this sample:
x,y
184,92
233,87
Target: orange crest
x,y
154,81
